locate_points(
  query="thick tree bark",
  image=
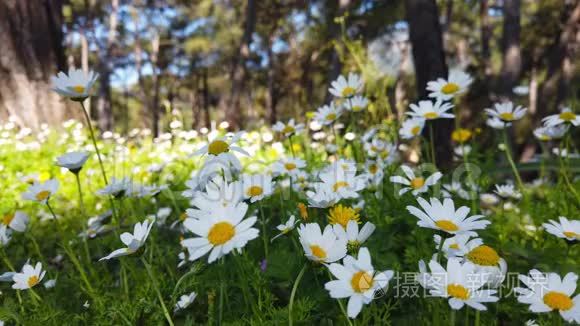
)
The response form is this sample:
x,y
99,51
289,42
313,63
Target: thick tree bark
x,y
31,52
560,64
104,101
239,72
429,59
512,57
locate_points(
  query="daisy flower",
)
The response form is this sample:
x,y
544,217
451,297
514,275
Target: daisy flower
x,y
430,111
455,188
444,217
456,245
415,184
496,123
133,241
327,114
550,133
73,161
444,90
221,148
354,238
342,215
288,166
256,187
220,232
356,103
17,221
566,229
374,171
218,192
461,135
321,247
506,112
77,85
288,129
488,200
548,292
412,128
286,227
185,301
486,260
564,117
116,188
341,177
461,284
41,192
507,191
343,87
29,277
321,196
356,280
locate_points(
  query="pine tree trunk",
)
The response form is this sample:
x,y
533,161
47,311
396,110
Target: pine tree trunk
x,y
31,52
512,56
429,58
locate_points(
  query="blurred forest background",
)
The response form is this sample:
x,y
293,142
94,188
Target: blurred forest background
x,y
253,62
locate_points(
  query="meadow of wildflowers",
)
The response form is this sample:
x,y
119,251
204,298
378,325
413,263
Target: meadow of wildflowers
x,y
325,220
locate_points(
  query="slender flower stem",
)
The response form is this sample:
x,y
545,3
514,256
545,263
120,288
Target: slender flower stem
x,y
440,249
432,142
476,318
341,305
293,293
83,211
264,236
159,296
508,154
94,142
291,146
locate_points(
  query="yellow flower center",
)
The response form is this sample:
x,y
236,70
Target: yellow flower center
x,y
217,147
254,191
290,166
373,168
415,130
567,116
356,108
32,281
318,252
221,233
331,116
288,130
183,216
447,225
348,91
450,88
7,219
558,300
484,256
431,115
461,135
568,234
507,116
339,185
454,246
303,211
78,89
361,281
42,195
458,291
342,215
417,183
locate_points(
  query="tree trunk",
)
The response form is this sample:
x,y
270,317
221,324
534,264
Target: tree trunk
x,y
104,102
429,58
206,98
485,35
239,73
512,57
272,91
31,41
334,36
557,83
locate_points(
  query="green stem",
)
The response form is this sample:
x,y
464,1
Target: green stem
x,y
476,318
341,305
440,249
293,293
432,143
291,146
508,154
92,133
159,296
83,211
264,237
